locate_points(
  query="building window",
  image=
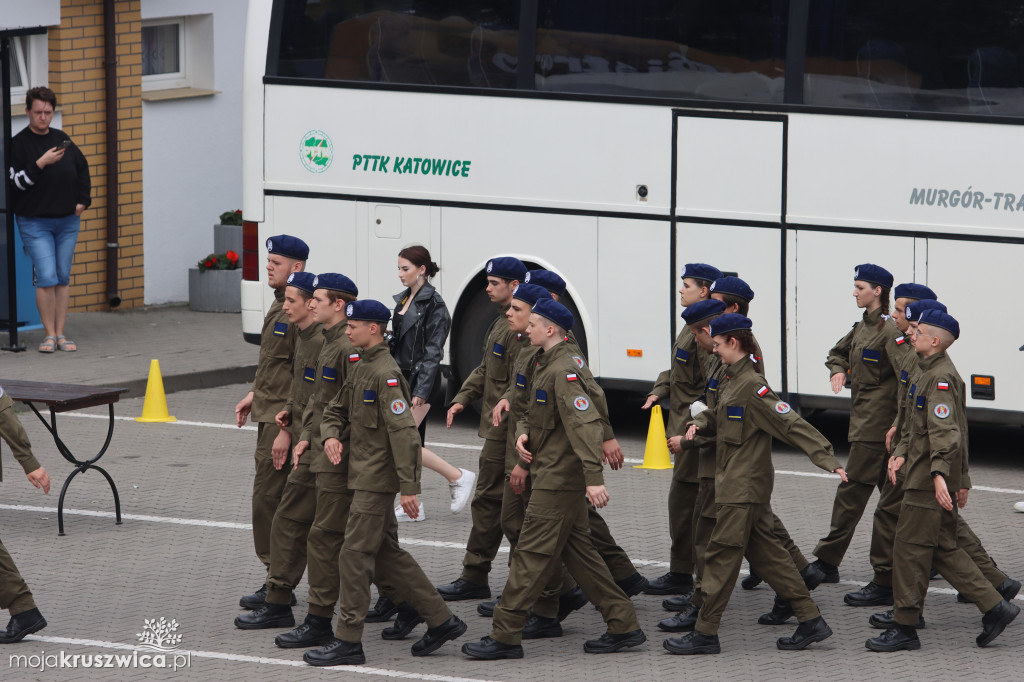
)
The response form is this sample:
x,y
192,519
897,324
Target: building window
x,y
164,63
29,65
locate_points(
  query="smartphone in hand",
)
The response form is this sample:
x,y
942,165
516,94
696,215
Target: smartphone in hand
x,y
65,143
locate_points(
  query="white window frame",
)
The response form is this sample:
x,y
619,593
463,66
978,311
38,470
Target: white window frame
x,y
179,78
32,59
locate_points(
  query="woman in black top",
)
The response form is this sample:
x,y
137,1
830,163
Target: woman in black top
x,y
420,327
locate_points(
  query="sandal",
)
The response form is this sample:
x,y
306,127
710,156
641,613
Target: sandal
x,y
48,344
65,345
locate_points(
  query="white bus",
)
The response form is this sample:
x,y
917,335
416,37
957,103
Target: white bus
x,y
612,141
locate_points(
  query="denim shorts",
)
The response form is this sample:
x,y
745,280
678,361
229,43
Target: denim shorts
x,y
50,243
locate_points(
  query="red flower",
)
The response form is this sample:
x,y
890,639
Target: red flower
x,y
232,257
209,263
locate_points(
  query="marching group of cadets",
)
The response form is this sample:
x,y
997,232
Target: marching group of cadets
x,y
337,441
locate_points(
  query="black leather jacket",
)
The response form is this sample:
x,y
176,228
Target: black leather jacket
x,y
419,345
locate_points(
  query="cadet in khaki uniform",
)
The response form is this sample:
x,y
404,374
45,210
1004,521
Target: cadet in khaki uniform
x,y
563,432
882,548
372,417
926,534
298,501
487,383
873,374
682,384
14,593
746,418
270,388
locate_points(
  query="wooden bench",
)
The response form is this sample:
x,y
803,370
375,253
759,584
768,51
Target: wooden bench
x,y
65,398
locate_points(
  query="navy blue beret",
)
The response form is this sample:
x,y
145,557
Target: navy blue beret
x,y
937,318
554,311
288,246
873,274
547,279
702,310
368,310
302,280
506,267
912,290
730,322
732,285
700,271
917,308
530,293
335,282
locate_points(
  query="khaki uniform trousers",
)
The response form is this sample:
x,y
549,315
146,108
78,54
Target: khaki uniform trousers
x,y
867,469
370,553
748,529
289,534
926,537
556,530
267,487
485,536
14,593
682,500
513,512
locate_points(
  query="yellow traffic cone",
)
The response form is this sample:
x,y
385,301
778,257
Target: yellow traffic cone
x,y
656,452
155,407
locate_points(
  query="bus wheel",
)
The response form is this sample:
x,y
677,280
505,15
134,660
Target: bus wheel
x,y
474,319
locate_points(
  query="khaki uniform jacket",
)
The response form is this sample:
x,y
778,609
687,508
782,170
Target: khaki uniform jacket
x,y
596,392
307,351
681,384
335,363
748,415
899,347
13,432
873,376
937,426
490,379
274,369
372,414
518,396
564,427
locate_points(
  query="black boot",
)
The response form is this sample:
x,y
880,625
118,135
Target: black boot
x,y
671,583
25,623
693,643
677,603
267,616
314,631
751,581
486,608
463,589
336,652
807,633
384,610
895,639
871,594
258,598
995,621
683,621
780,613
831,572
491,649
633,585
433,638
573,600
407,619
609,643
813,576
887,620
538,627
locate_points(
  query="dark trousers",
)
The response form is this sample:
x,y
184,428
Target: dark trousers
x,y
267,488
866,468
289,534
14,593
485,536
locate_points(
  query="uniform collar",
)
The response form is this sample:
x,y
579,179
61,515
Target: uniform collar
x,y
372,353
556,352
336,331
873,317
279,295
310,331
741,365
932,360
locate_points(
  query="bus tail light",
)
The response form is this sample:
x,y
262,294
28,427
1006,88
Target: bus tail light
x,y
250,251
983,387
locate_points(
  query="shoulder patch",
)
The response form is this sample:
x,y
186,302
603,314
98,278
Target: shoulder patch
x,y
571,377
943,386
354,357
942,410
397,406
498,350
581,403
734,412
782,408
392,382
579,361
763,391
682,356
280,328
900,340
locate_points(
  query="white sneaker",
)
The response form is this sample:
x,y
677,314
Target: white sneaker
x,y
1019,506
462,490
404,518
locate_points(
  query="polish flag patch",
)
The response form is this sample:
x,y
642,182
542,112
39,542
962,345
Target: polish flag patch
x,y
353,357
900,340
392,382
570,377
763,391
943,386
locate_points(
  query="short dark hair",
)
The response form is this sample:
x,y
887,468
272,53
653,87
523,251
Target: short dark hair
x,y
742,304
41,93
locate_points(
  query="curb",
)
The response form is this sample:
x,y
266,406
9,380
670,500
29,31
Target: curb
x,y
173,383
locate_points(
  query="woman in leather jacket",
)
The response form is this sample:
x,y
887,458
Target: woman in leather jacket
x,y
420,327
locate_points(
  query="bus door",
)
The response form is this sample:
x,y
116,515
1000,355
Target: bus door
x,y
391,227
729,208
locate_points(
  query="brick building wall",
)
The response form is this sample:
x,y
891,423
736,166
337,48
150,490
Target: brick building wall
x,y
76,75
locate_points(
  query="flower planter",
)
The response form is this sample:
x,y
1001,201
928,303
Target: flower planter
x,y
215,291
227,238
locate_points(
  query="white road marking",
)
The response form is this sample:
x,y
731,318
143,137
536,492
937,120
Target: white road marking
x,y
362,670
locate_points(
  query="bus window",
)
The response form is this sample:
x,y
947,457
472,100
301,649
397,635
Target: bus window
x,y
915,55
731,50
426,42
